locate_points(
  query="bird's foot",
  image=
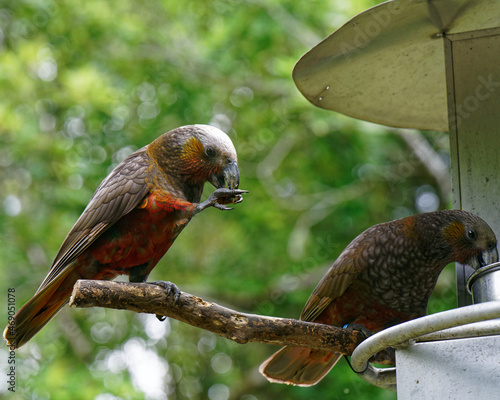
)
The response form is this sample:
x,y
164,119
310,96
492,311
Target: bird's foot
x,y
358,327
385,357
220,197
170,288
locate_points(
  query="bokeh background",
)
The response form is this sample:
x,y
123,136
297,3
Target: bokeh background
x,y
83,83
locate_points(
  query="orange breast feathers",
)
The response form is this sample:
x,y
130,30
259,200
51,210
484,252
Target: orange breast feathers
x,y
161,203
143,235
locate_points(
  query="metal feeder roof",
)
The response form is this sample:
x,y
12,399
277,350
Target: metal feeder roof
x,y
387,64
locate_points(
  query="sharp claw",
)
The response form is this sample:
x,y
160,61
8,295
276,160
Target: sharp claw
x,y
170,288
222,207
161,318
233,196
224,192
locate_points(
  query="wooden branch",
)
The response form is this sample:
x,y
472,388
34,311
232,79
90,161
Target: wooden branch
x,y
233,325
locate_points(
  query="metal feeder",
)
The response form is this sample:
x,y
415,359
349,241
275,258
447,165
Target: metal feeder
x,y
484,284
434,65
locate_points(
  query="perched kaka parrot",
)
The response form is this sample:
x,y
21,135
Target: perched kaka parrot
x,y
134,217
384,277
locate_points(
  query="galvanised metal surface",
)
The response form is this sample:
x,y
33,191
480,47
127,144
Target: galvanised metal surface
x,y
473,74
460,369
470,319
387,64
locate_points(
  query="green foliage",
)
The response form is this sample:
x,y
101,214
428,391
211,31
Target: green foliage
x,y
84,83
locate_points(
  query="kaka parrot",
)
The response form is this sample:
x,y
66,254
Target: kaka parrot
x,y
384,277
134,217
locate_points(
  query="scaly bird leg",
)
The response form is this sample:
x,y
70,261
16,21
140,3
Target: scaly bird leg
x,y
220,197
171,288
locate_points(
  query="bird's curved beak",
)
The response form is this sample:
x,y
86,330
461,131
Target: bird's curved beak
x,y
230,175
486,257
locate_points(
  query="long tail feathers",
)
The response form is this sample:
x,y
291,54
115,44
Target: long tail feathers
x,y
37,312
298,366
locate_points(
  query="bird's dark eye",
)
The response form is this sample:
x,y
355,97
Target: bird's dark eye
x,y
472,234
210,151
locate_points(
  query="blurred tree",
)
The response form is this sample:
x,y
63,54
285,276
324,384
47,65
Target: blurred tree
x,y
84,83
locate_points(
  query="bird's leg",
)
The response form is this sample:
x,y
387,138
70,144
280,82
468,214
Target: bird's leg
x,y
170,288
220,197
139,273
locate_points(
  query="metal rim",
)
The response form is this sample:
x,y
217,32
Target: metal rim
x,y
404,334
481,271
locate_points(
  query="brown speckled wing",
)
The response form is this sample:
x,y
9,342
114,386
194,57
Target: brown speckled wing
x,y
122,190
340,275
332,285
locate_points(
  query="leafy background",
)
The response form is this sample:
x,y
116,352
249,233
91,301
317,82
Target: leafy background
x,y
84,83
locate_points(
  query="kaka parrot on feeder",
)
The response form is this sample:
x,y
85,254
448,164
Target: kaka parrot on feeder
x,y
134,217
384,277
